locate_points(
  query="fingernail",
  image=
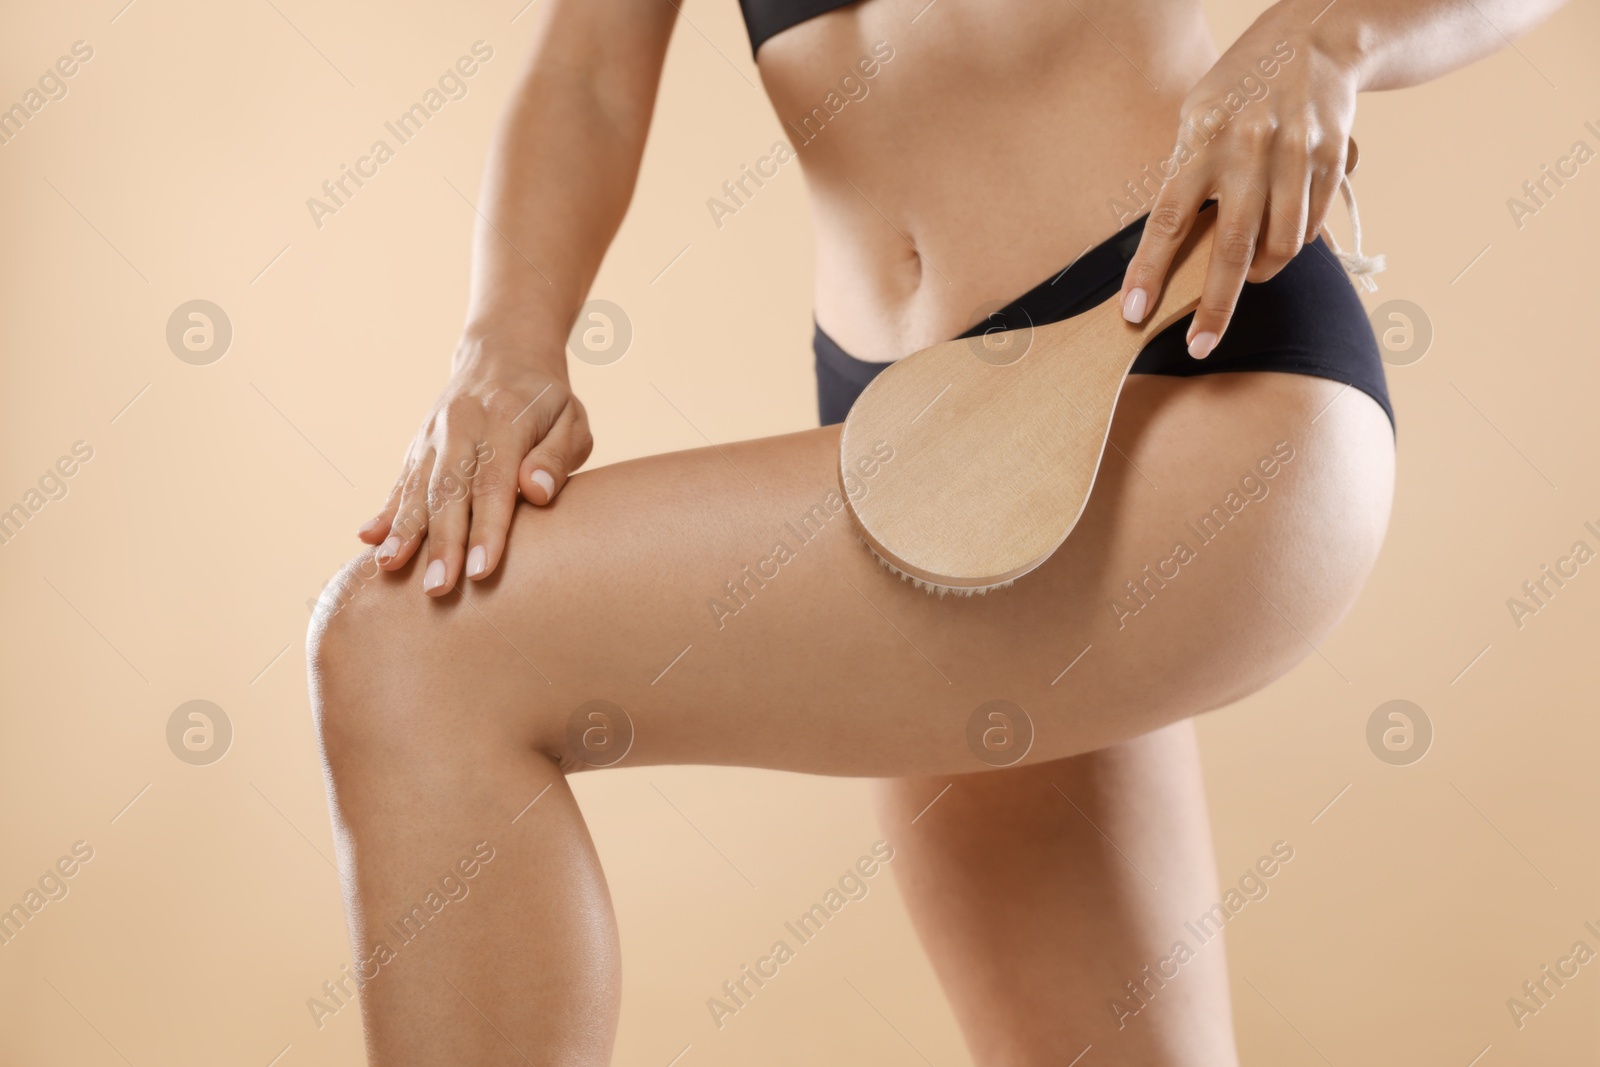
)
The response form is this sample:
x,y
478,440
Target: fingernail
x,y
1135,304
368,526
1201,345
387,550
477,560
434,577
543,480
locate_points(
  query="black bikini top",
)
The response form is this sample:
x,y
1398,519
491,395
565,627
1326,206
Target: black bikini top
x,y
768,18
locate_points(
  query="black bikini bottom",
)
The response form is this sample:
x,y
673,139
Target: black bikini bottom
x,y
1307,319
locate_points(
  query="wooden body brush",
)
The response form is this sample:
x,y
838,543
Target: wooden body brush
x,y
994,452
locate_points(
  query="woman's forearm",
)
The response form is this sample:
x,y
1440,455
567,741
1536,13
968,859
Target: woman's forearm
x,y
1393,44
559,176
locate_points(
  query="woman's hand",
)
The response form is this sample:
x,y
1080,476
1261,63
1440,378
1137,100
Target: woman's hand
x,y
498,426
1264,133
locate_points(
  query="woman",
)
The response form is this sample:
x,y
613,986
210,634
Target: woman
x,y
997,143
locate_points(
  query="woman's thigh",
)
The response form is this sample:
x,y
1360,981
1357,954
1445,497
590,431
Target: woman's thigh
x,y
721,600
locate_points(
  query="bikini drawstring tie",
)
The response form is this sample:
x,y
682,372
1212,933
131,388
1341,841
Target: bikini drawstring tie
x,y
1359,266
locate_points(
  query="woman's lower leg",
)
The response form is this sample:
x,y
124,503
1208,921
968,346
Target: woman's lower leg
x,y
1041,892
481,926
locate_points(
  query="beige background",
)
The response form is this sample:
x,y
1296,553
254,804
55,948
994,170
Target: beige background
x,y
180,563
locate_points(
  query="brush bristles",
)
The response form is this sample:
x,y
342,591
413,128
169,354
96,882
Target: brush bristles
x,y
933,588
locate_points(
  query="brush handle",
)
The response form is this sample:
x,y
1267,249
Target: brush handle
x,y
1180,294
1087,357
979,468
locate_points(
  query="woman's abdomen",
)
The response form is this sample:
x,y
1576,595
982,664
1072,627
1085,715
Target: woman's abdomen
x,y
987,148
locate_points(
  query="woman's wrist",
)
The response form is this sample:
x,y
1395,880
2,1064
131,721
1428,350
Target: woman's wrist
x,y
499,350
1339,31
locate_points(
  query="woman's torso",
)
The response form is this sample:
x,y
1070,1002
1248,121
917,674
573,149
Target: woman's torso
x,y
981,155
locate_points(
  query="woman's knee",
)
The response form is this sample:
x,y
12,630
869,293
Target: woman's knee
x,y
352,628
397,675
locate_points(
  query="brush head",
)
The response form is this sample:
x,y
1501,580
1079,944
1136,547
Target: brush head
x,y
933,587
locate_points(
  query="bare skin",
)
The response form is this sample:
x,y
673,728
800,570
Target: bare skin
x,y
442,719
982,161
1056,884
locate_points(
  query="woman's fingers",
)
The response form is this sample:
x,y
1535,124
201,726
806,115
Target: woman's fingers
x,y
1233,247
410,517
375,529
1327,172
1168,224
563,449
494,498
1283,226
449,507
483,441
